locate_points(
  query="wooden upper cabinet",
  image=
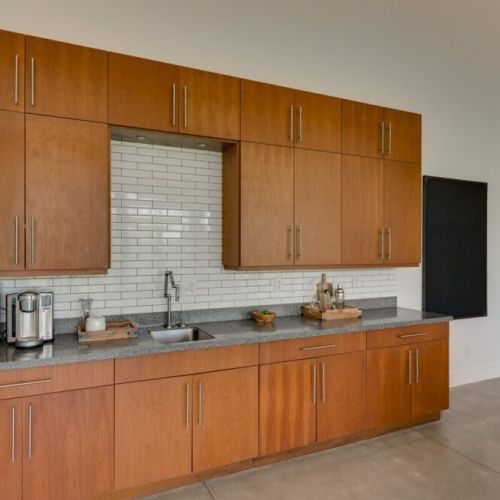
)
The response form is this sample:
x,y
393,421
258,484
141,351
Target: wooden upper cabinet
x,y
143,93
403,140
11,191
72,436
267,205
67,194
225,417
11,449
267,113
362,210
402,209
318,122
287,407
12,71
153,426
362,129
318,208
66,80
209,104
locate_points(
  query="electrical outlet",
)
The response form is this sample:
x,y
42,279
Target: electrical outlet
x,y
277,283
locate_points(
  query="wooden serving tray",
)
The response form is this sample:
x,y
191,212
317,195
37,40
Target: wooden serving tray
x,y
115,330
347,312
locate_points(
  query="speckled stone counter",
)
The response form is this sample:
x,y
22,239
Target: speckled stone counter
x,y
65,348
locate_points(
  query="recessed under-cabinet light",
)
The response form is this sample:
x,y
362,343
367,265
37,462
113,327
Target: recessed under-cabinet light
x,y
140,137
202,145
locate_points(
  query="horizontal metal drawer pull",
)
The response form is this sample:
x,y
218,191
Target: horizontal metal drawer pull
x,y
408,335
19,384
315,347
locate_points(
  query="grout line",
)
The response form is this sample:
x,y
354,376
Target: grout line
x,y
212,496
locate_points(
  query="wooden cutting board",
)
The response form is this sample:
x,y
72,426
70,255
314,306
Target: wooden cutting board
x,y
331,314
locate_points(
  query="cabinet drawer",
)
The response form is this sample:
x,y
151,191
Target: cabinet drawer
x,y
407,335
173,364
46,379
312,347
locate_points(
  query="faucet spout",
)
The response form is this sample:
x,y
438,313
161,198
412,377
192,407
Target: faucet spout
x,y
169,276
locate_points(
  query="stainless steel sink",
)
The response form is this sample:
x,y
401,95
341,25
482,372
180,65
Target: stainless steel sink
x,y
180,335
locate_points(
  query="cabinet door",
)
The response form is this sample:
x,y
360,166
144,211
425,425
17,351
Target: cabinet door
x,y
11,71
66,80
67,194
318,208
225,417
143,93
287,406
362,129
267,113
388,386
11,452
362,210
341,395
209,104
403,136
430,390
12,191
402,208
70,454
318,119
152,431
267,205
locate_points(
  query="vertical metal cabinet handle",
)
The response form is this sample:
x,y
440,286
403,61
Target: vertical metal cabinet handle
x,y
417,367
389,243
299,241
382,244
32,240
16,240
185,106
323,382
290,242
187,405
200,403
409,367
300,123
174,104
291,123
32,81
315,382
13,434
382,137
30,431
16,80
390,138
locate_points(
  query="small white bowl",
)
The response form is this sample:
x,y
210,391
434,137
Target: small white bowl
x,y
95,324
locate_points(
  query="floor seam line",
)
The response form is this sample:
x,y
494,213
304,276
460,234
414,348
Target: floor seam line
x,y
212,496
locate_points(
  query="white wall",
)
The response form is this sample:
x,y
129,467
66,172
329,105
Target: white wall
x,y
436,57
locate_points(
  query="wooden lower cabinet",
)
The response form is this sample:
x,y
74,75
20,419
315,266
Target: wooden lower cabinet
x,y
225,415
152,431
70,454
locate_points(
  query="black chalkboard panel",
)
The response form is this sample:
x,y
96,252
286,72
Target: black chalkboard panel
x,y
454,247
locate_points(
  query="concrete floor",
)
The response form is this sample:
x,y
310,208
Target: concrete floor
x,y
456,458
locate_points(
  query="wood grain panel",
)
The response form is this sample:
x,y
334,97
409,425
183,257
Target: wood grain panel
x,y
67,194
231,205
286,350
402,209
11,190
267,205
153,425
12,48
266,113
399,336
388,386
361,129
70,81
362,210
403,136
183,363
318,119
318,208
287,409
213,104
430,391
72,445
59,378
341,395
142,93
226,430
11,449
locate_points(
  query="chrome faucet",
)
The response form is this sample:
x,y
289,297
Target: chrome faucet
x,y
169,275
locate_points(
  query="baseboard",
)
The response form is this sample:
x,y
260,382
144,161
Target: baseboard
x,y
474,375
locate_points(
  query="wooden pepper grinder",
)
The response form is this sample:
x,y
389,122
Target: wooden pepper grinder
x,y
324,294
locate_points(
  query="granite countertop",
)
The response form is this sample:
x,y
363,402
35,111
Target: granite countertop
x,y
65,348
